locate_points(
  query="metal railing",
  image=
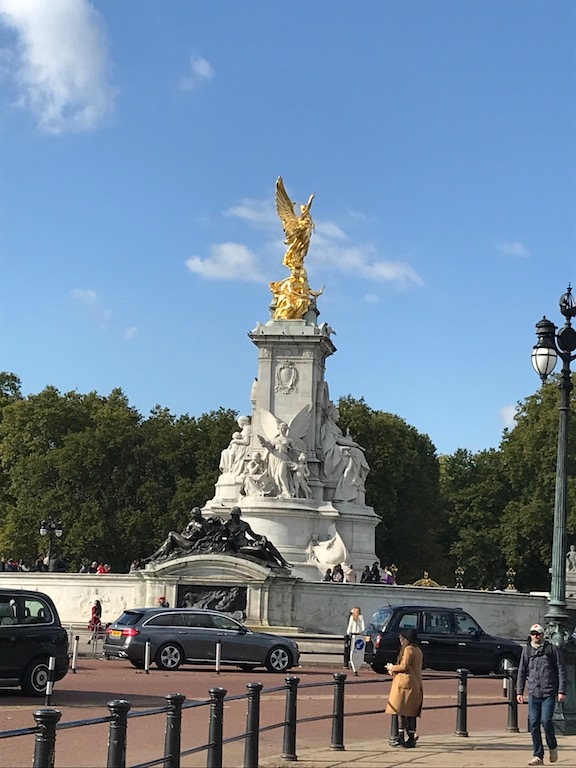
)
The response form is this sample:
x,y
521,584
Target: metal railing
x,y
48,721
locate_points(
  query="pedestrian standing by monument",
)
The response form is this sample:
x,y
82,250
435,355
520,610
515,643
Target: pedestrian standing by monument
x,y
406,694
355,631
542,667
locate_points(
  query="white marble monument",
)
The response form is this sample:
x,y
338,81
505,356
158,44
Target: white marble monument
x,y
298,478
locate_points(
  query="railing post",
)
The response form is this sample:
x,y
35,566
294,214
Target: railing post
x,y
394,739
216,727
45,744
75,653
512,726
462,704
289,745
119,709
50,680
338,712
252,726
173,735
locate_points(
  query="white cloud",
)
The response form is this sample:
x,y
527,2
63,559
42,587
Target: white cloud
x,y
329,229
90,299
513,248
200,72
329,248
227,261
61,62
508,415
255,211
130,332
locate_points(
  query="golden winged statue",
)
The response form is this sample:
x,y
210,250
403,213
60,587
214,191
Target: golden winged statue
x,y
293,296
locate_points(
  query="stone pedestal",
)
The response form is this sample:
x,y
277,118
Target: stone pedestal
x,y
290,388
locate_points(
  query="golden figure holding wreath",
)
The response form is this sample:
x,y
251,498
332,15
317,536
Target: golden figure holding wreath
x,y
293,295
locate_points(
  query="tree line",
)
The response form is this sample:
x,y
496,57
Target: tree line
x,y
119,481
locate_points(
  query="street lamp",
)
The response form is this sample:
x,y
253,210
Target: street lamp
x,y
51,528
553,344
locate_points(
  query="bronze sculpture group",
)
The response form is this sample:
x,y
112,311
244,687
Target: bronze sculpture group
x,y
204,536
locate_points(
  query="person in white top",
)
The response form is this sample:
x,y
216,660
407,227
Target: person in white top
x,y
355,629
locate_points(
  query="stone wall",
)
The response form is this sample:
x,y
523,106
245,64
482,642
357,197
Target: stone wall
x,y
275,601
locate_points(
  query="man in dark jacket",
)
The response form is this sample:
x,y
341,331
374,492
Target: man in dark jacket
x,y
542,666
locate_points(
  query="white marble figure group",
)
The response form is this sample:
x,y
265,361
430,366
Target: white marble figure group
x,y
281,469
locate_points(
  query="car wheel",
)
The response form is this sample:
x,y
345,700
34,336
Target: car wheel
x,y
278,660
169,656
35,678
247,667
508,658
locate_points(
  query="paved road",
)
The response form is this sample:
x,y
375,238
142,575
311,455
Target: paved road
x,y
85,695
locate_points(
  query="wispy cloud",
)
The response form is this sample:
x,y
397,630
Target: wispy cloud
x,y
199,72
130,332
330,247
254,211
60,62
508,415
90,299
228,261
513,248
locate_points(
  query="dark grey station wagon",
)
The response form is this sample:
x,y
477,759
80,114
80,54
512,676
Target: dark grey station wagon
x,y
189,636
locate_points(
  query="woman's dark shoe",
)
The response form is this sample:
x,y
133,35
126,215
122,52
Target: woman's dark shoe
x,y
410,742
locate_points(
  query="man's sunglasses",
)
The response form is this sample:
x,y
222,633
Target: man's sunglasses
x,y
536,634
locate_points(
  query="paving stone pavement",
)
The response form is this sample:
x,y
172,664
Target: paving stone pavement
x,y
485,750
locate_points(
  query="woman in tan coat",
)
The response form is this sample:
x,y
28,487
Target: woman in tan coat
x,y
406,693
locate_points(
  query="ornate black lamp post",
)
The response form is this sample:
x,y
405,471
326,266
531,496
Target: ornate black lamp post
x,y
553,344
50,528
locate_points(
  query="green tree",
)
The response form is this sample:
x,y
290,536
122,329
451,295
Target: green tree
x,y
404,489
529,455
475,490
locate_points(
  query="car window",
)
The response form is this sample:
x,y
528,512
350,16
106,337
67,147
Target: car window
x,y
36,611
437,622
381,618
466,625
223,622
129,618
167,619
201,620
7,612
408,620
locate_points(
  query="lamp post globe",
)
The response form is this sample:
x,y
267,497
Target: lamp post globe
x,y
554,344
50,528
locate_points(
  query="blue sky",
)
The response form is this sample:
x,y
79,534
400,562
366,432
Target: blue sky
x,y
139,148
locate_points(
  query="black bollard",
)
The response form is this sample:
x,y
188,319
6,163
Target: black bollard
x,y
45,743
338,712
119,709
215,730
289,745
173,735
462,704
252,726
394,739
512,726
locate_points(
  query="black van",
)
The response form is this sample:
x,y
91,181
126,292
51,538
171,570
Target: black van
x,y
30,633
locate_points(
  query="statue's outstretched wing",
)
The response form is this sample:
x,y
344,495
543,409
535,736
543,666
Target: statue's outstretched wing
x,y
298,427
269,423
285,208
